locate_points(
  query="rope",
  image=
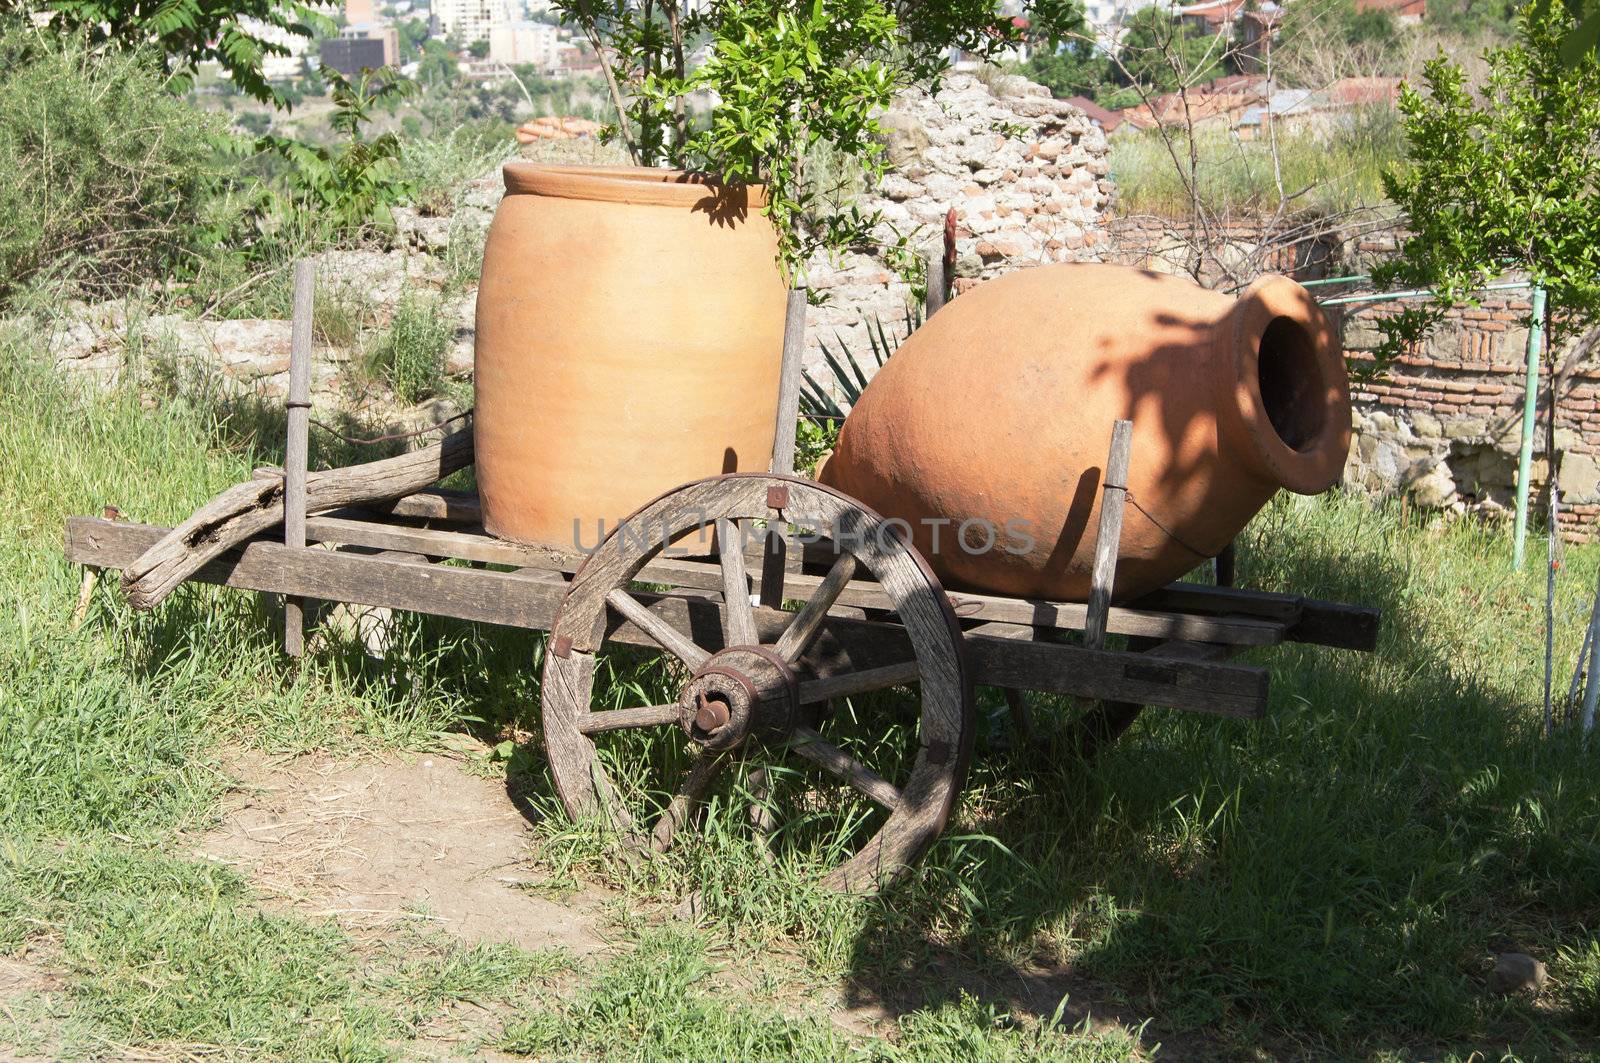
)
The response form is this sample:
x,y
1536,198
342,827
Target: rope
x,y
374,440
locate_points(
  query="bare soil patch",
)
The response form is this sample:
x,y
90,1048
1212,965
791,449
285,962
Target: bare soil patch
x,y
384,840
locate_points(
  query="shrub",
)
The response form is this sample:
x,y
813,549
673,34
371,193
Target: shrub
x,y
410,358
103,173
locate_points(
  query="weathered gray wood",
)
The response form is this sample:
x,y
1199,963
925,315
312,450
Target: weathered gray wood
x,y
436,504
1108,540
937,282
741,623
820,751
665,635
619,719
1322,623
849,684
808,621
1220,689
794,348
927,632
297,454
252,507
509,599
774,569
863,594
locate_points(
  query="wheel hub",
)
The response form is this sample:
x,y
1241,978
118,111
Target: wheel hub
x,y
739,692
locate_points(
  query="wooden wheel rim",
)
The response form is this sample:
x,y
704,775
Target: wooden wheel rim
x,y
946,713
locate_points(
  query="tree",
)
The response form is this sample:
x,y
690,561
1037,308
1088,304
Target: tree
x,y
1076,68
1509,181
190,32
786,77
1160,53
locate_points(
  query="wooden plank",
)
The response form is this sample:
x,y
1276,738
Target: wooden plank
x,y
1201,598
508,599
1121,620
297,454
1108,539
253,507
1222,689
794,349
436,503
1310,620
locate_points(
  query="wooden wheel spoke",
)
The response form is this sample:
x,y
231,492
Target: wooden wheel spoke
x,y
678,810
618,719
665,635
739,618
808,621
862,682
825,754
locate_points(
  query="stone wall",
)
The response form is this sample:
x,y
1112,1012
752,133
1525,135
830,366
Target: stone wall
x,y
1026,175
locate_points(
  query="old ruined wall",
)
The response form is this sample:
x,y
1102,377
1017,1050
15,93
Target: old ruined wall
x,y
1445,424
1026,175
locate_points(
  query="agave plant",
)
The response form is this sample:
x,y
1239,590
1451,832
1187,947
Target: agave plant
x,y
831,398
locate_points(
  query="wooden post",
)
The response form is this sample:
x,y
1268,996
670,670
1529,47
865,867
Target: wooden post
x,y
775,554
1227,565
794,347
297,448
1114,495
937,282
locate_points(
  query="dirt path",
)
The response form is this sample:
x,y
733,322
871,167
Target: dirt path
x,y
378,841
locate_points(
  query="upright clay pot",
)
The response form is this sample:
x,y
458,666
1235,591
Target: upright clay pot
x,y
988,430
629,336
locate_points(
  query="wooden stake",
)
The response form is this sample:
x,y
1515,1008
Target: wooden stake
x,y
775,555
1108,541
297,449
934,300
794,347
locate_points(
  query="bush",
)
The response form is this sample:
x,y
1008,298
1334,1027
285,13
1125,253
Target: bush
x,y
103,173
410,359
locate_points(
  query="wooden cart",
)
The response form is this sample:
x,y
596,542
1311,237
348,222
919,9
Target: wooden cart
x,y
787,606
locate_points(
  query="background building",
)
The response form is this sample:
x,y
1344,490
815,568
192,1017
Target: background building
x,y
534,43
351,55
468,20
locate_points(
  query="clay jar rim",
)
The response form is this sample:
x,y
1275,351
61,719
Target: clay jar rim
x,y
1318,462
641,185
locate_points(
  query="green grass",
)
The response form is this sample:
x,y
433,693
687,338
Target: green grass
x,y
1330,882
1323,171
410,356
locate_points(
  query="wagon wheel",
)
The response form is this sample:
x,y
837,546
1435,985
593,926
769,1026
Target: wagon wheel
x,y
759,681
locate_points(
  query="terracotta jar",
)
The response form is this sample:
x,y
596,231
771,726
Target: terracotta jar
x,y
988,431
629,336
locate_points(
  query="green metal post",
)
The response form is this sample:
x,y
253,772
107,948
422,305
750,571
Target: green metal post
x,y
1529,413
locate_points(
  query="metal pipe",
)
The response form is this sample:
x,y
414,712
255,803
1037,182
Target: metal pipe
x,y
1530,401
1414,293
1335,280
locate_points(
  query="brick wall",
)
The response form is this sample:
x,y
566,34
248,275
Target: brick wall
x,y
1445,425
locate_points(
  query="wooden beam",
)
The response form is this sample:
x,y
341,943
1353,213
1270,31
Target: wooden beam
x,y
1108,539
794,349
508,599
1322,623
471,545
297,452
